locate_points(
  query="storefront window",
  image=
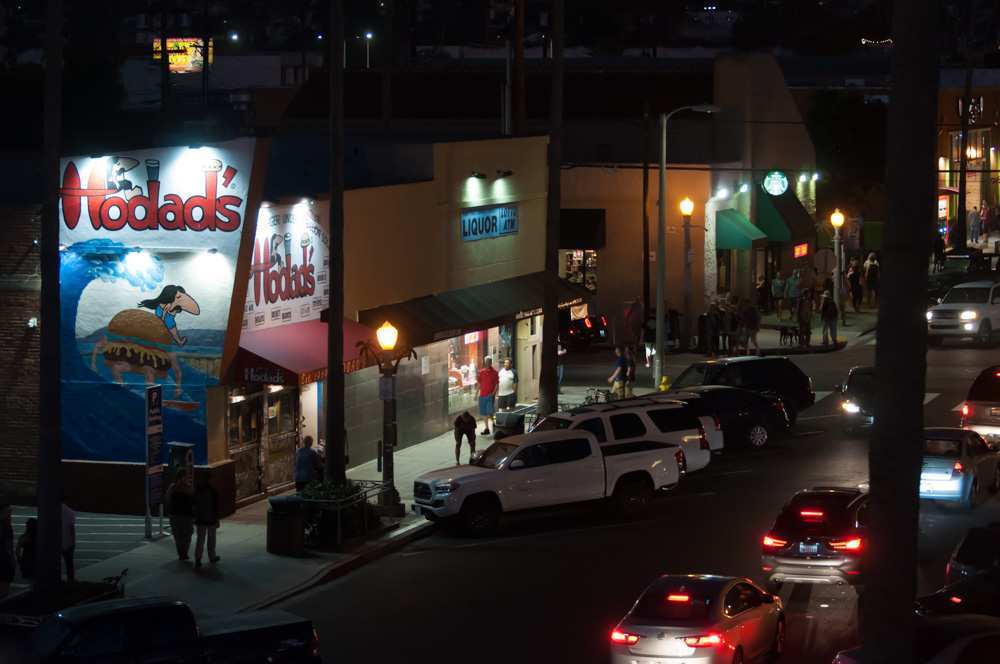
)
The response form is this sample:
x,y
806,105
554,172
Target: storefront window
x,y
580,267
281,412
244,422
723,259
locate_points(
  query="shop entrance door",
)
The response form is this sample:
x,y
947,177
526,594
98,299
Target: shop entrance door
x,y
282,438
244,444
528,362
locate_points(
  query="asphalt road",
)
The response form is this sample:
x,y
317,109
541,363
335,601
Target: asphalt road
x,y
550,586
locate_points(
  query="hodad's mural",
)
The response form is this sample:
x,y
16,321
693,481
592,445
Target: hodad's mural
x,y
149,242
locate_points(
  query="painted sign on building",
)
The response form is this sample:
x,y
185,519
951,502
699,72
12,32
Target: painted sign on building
x,y
489,222
149,241
289,274
185,54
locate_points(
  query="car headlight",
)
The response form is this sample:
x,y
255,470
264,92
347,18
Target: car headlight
x,y
850,407
445,487
930,315
968,315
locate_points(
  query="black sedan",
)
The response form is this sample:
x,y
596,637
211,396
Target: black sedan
x,y
747,418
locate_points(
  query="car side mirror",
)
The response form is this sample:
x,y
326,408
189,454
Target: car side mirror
x,y
515,464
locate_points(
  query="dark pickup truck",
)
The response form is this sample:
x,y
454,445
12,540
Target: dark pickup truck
x,y
158,629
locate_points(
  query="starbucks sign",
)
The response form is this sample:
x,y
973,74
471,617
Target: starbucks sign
x,y
775,183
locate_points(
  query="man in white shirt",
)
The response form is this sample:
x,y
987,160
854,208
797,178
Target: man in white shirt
x,y
68,541
507,392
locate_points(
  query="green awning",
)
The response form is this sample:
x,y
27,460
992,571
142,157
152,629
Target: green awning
x,y
734,231
770,220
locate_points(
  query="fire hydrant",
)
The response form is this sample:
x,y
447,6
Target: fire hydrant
x,y
664,383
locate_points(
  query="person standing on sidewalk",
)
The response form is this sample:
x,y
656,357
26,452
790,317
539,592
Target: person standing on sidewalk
x,y
829,313
617,377
308,465
763,291
792,294
560,364
777,293
938,252
7,565
854,283
206,518
750,321
465,425
507,387
489,382
805,322
180,504
871,278
972,227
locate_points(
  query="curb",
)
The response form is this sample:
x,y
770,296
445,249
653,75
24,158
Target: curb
x,y
808,350
376,550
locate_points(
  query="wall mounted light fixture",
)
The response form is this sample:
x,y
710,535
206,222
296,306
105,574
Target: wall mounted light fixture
x,y
478,175
33,322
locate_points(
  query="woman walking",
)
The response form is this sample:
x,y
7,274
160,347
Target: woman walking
x,y
179,500
872,278
854,283
206,517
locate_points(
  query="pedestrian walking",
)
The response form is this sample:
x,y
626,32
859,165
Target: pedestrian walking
x,y
938,252
206,518
763,293
629,372
713,324
973,221
751,326
985,222
828,314
179,501
777,293
792,293
465,426
560,361
25,551
618,376
805,323
69,541
854,284
730,326
7,565
507,387
308,465
489,382
872,278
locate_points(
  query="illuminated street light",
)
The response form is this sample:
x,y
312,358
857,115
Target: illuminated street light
x,y
687,206
387,336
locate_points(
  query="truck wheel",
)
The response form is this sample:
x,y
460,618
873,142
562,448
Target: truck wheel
x,y
632,495
480,516
985,334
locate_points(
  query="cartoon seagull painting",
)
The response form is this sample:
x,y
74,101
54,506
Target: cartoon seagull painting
x,y
171,301
117,181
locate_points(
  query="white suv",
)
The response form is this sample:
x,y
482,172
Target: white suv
x,y
657,419
970,310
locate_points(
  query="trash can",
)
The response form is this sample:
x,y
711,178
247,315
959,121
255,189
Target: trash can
x,y
286,527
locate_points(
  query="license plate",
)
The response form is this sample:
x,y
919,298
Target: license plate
x,y
808,548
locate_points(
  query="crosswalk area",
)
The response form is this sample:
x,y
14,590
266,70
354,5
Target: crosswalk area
x,y
928,398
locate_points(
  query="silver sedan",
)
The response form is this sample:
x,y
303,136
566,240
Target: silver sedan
x,y
700,619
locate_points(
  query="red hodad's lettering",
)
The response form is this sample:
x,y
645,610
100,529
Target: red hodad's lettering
x,y
287,282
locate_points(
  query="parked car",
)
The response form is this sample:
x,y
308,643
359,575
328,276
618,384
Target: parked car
x,y
969,310
582,332
857,396
818,537
952,639
958,466
643,418
960,266
159,629
978,552
745,418
981,410
700,619
979,593
545,469
768,375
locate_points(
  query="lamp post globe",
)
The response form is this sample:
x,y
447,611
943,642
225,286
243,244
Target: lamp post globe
x,y
687,207
837,219
387,336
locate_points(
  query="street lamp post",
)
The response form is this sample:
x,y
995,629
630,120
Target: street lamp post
x,y
687,208
387,336
661,238
837,220
368,50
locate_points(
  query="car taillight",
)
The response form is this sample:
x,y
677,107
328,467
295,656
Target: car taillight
x,y
618,636
681,460
955,599
587,323
772,542
958,468
604,321
679,598
811,516
718,422
702,438
966,410
314,645
703,641
853,544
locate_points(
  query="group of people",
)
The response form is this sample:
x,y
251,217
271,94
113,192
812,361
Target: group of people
x,y
497,391
732,326
21,554
980,222
193,506
622,378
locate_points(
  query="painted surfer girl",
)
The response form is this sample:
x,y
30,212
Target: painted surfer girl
x,y
171,301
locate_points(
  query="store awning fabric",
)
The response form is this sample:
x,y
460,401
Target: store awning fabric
x,y
432,318
734,231
297,349
784,218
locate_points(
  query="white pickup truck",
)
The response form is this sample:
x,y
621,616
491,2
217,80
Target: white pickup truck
x,y
544,469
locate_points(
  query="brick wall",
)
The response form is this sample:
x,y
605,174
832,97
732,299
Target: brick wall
x,y
19,352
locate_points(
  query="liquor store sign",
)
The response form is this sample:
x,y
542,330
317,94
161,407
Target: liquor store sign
x,y
489,222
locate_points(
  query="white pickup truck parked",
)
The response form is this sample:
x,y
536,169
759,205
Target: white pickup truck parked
x,y
544,469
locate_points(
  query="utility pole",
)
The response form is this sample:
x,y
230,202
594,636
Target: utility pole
x,y
687,292
661,250
49,488
548,393
957,234
336,435
645,213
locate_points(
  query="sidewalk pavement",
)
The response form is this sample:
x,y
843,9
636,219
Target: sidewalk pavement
x,y
858,324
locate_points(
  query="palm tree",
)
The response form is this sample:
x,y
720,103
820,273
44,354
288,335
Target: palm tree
x,y
894,456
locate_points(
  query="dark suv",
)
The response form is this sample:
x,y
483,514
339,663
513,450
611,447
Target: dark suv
x,y
818,537
767,375
857,398
981,410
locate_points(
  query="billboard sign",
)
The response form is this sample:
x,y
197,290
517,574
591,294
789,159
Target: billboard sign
x,y
149,241
184,54
289,274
